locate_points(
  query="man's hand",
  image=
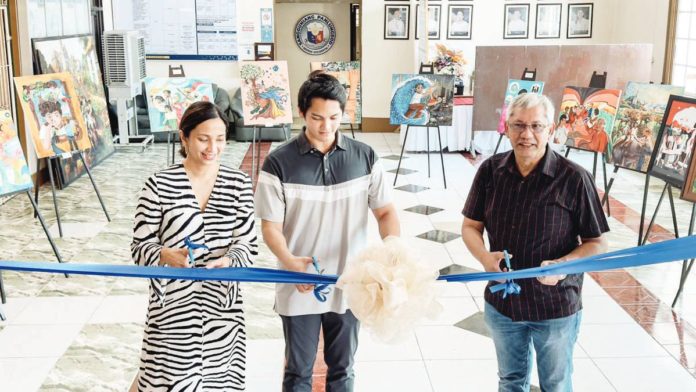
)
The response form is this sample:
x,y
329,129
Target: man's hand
x,y
222,262
172,257
551,280
299,264
491,262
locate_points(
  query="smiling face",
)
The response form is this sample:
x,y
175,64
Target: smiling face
x,y
529,146
206,142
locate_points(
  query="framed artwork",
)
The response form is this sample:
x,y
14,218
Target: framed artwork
x,y
516,25
421,99
548,21
168,99
265,93
434,13
580,20
263,51
348,73
517,87
14,173
396,18
674,146
77,55
426,68
587,115
52,108
637,124
689,190
459,19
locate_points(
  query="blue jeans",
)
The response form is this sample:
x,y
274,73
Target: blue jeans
x,y
553,340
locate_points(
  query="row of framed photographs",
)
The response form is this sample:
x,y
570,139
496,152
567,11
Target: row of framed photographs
x,y
516,21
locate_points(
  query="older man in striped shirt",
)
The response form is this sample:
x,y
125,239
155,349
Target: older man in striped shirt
x,y
542,209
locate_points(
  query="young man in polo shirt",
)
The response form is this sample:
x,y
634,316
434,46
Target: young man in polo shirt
x,y
542,209
313,198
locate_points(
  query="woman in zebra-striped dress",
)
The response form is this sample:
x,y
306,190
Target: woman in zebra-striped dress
x,y
194,336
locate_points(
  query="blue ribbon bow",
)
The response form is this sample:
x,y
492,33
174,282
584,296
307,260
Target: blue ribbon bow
x,y
509,286
191,246
320,290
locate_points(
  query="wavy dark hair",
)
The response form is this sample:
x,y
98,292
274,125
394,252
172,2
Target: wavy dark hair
x,y
320,85
197,113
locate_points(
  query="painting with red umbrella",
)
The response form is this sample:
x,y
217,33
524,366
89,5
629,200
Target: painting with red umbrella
x,y
670,160
587,116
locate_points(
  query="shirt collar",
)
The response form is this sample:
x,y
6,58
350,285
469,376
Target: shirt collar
x,y
548,163
305,146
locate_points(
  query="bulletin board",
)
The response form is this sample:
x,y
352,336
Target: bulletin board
x,y
181,29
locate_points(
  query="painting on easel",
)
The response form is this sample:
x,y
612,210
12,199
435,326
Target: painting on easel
x,y
348,73
638,123
265,93
675,142
56,123
588,113
168,99
422,99
14,173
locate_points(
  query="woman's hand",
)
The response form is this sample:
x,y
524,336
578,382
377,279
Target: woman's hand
x,y
223,262
173,257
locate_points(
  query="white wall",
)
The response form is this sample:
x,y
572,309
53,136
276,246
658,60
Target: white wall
x,y
287,15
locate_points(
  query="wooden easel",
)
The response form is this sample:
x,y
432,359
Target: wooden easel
x,y
529,75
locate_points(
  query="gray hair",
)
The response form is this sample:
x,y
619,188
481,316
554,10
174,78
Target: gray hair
x,y
531,101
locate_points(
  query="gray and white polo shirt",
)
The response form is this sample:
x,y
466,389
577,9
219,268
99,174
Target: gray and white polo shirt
x,y
323,201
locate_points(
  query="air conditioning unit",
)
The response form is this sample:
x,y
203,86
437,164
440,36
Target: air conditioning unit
x,y
124,69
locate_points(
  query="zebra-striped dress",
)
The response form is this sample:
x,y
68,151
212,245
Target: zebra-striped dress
x,y
194,337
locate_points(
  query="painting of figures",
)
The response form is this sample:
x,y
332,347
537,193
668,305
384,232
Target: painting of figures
x,y
638,123
77,55
514,88
689,191
265,93
421,99
675,142
348,73
52,105
14,173
588,115
168,99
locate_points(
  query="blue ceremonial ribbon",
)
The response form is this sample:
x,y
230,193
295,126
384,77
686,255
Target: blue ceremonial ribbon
x,y
673,250
509,286
191,246
320,290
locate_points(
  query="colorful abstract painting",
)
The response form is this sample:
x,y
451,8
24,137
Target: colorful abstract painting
x,y
588,116
348,73
675,142
14,173
265,93
77,55
52,106
638,123
422,99
168,99
516,87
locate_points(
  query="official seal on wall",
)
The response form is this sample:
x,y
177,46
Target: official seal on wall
x,y
315,34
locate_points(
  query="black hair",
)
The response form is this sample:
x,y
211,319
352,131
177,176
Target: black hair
x,y
197,113
522,91
320,85
46,107
563,117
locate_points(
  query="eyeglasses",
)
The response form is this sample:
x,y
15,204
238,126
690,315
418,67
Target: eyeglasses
x,y
521,127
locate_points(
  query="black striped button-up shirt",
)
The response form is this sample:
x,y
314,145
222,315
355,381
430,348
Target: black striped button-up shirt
x,y
536,218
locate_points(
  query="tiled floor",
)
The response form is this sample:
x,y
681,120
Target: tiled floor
x,y
83,333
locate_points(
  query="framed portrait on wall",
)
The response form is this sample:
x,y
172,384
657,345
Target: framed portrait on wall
x,y
689,191
396,19
434,12
516,25
548,21
580,20
672,153
459,21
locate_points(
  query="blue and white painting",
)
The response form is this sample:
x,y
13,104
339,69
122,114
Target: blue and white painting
x,y
422,99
